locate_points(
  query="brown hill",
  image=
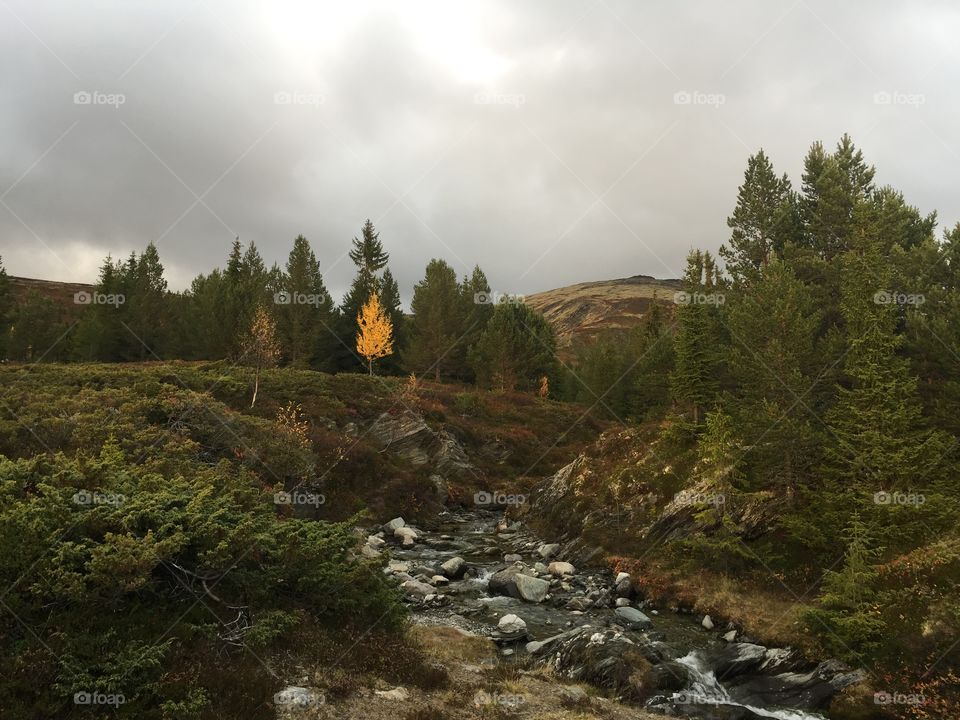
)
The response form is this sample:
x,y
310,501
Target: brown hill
x,y
65,294
587,309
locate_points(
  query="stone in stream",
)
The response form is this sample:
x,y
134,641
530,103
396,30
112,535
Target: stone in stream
x,y
623,586
623,602
558,569
408,536
454,568
633,618
531,589
398,566
439,580
707,623
512,558
393,525
513,626
540,568
369,552
375,541
416,588
579,603
730,636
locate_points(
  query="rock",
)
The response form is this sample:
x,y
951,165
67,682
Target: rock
x,y
398,566
512,558
451,459
405,435
707,622
623,602
540,568
377,542
369,552
579,603
440,580
442,488
454,568
548,550
621,577
296,697
812,690
504,583
531,589
417,589
393,525
398,693
605,658
558,569
573,695
624,586
408,536
633,619
730,636
512,625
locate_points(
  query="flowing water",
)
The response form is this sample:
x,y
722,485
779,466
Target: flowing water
x,y
474,537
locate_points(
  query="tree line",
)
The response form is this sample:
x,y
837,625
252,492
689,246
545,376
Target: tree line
x,y
250,313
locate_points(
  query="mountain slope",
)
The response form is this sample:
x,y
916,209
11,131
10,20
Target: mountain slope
x,y
586,309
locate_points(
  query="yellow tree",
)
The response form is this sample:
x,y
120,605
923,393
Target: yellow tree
x,y
375,338
260,346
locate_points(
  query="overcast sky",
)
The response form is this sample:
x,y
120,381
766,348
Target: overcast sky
x,y
552,142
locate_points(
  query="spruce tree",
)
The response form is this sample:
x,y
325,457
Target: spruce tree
x,y
695,378
436,322
761,222
6,310
304,310
515,350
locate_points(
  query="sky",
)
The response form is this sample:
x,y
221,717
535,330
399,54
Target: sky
x,y
549,141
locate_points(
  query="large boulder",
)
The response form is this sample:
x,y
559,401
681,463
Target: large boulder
x,y
812,690
451,459
530,588
415,588
548,550
512,625
454,568
389,527
632,618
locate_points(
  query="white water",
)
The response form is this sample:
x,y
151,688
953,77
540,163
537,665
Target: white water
x,y
706,690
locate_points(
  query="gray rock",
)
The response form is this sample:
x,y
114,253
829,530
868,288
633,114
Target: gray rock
x,y
451,459
512,557
707,622
377,542
512,625
623,602
416,588
730,636
548,550
531,589
405,435
633,618
393,525
400,694
293,697
439,580
369,552
454,568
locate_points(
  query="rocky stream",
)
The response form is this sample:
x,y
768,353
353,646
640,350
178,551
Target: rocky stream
x,y
484,575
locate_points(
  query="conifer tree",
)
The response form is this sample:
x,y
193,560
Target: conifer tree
x,y
304,310
6,310
515,350
437,321
761,222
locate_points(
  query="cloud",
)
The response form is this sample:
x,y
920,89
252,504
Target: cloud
x,y
550,142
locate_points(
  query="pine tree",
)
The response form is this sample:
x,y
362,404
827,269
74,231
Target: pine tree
x,y
761,222
437,321
475,313
695,378
305,310
37,331
145,306
515,350
369,258
390,301
375,332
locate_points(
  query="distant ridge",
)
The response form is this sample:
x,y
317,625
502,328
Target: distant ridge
x,y
586,309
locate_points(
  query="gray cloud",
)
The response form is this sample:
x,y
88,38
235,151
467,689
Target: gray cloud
x,y
550,142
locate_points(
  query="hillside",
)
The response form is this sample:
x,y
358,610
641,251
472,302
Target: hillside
x,y
585,309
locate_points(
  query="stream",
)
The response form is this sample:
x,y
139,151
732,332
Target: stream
x,y
466,603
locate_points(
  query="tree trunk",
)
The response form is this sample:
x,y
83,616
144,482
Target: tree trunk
x,y
369,366
256,387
